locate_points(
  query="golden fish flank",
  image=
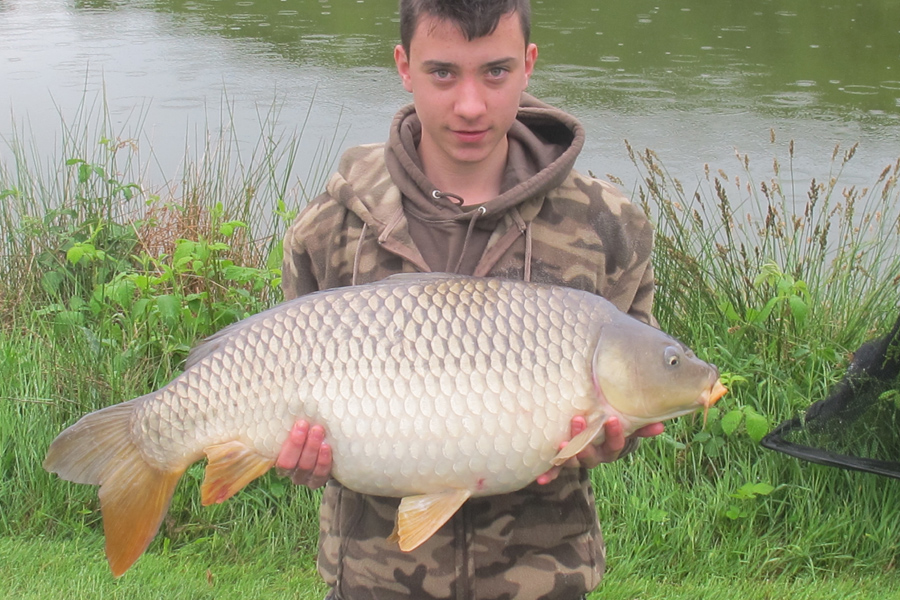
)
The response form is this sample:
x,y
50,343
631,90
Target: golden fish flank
x,y
432,388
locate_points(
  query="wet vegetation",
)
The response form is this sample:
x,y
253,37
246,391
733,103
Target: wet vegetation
x,y
106,282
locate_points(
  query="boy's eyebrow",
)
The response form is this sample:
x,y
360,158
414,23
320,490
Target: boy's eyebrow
x,y
500,62
437,65
445,65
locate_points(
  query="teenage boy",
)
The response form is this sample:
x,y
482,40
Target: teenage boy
x,y
476,178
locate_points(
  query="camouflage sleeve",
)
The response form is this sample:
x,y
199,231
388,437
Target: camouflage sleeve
x,y
298,276
634,285
642,304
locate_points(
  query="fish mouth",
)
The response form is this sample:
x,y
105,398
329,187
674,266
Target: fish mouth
x,y
711,396
714,394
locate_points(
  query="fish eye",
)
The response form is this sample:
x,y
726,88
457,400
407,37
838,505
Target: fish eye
x,y
672,357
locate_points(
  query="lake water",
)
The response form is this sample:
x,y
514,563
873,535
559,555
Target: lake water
x,y
694,80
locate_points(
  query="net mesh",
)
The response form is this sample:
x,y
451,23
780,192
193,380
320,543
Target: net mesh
x,y
857,426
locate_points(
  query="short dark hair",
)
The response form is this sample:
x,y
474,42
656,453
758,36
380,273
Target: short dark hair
x,y
475,18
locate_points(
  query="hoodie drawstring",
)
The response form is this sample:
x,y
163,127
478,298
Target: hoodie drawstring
x,y
524,227
528,252
358,254
478,213
439,194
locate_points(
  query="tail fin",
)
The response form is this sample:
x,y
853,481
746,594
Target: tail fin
x,y
134,495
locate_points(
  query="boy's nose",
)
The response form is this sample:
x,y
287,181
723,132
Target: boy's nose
x,y
470,103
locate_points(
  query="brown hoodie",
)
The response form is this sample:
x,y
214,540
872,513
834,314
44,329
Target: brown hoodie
x,y
380,215
543,146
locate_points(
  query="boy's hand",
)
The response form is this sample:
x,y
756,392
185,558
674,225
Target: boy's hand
x,y
305,457
606,452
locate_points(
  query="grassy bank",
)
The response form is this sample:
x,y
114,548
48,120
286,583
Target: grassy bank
x,y
53,569
106,282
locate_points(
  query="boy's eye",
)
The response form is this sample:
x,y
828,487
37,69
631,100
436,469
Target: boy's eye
x,y
441,73
497,72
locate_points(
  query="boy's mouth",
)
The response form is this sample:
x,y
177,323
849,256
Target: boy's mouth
x,y
470,137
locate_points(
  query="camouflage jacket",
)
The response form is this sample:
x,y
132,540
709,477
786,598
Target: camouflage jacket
x,y
550,224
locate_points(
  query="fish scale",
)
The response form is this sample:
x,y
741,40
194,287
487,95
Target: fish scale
x,y
432,388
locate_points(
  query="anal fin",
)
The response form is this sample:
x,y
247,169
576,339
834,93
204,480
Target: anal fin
x,y
231,467
580,442
420,516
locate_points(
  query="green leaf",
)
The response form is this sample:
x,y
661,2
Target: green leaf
x,y
734,512
76,303
50,309
139,309
668,439
713,447
729,379
142,282
729,311
275,256
122,292
749,491
799,309
169,309
75,254
731,421
785,285
240,274
50,282
70,317
227,229
184,251
183,265
277,488
759,489
757,426
758,316
84,172
656,515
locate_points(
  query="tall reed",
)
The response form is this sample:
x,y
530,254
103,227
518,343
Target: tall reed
x,y
776,281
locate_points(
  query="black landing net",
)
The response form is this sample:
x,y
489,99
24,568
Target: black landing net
x,y
857,426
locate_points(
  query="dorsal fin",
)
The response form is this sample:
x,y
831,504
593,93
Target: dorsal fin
x,y
423,277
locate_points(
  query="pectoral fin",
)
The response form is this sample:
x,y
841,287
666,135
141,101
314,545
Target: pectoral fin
x,y
232,466
580,442
420,516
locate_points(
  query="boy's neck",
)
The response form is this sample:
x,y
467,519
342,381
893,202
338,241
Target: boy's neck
x,y
475,182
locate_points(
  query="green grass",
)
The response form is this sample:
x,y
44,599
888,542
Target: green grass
x,y
54,569
58,569
106,283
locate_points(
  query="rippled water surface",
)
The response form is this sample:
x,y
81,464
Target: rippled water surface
x,y
693,79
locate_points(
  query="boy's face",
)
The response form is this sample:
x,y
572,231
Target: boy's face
x,y
466,92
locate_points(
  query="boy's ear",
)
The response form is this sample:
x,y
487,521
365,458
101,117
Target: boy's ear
x,y
531,54
402,61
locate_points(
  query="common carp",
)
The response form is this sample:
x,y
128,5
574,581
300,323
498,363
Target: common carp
x,y
432,388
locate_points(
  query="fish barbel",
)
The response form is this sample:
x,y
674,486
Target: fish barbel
x,y
432,388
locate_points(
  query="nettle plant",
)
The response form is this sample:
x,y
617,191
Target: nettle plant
x,y
152,285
